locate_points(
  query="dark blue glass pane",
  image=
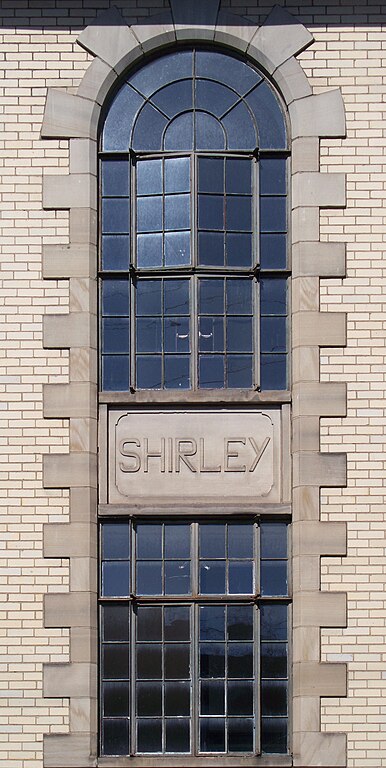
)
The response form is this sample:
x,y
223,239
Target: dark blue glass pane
x,y
149,250
115,661
149,578
274,660
115,252
273,334
149,699
272,176
240,660
115,541
120,119
116,579
274,697
239,334
238,178
115,699
115,215
273,214
179,133
212,622
177,620
212,698
149,334
176,297
212,577
212,540
115,373
162,71
273,540
115,177
115,335
211,248
211,297
149,177
240,128
211,175
214,97
273,577
115,622
209,132
115,737
273,251
212,659
239,371
177,174
273,372
239,297
240,697
273,296
211,334
177,733
177,662
149,622
269,117
148,129
149,297
177,248
211,212
227,70
115,297
274,735
149,214
239,213
238,250
240,622
212,734
176,334
240,734
240,577
240,540
273,622
149,372
177,577
149,735
177,541
177,373
174,98
177,212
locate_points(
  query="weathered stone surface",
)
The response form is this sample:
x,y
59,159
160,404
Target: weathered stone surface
x,y
305,154
234,30
200,13
322,259
108,37
327,470
61,680
323,329
320,609
69,116
158,30
70,400
66,470
83,156
318,749
77,609
78,329
319,115
325,190
319,538
292,81
280,37
70,751
69,540
77,190
65,261
319,679
319,399
97,81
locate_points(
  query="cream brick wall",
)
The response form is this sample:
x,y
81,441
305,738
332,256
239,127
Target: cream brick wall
x,y
38,50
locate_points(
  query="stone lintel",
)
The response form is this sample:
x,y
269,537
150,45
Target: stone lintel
x,y
323,190
320,609
77,329
320,115
322,329
78,190
67,116
319,399
68,470
62,680
319,259
75,400
280,37
61,262
327,470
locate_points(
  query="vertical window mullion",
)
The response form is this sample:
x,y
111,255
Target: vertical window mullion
x,y
194,279
133,650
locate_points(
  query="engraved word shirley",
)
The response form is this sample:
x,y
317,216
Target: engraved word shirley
x,y
194,454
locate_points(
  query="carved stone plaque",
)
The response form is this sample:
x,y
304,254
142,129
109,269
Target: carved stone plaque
x,y
194,454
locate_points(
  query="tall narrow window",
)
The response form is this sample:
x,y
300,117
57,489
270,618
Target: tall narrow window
x,y
193,171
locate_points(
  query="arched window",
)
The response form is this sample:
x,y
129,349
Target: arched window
x,y
193,169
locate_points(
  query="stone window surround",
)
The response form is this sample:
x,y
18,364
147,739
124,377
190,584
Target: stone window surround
x,y
273,47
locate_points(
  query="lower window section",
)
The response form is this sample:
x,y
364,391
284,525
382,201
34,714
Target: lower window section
x,y
187,675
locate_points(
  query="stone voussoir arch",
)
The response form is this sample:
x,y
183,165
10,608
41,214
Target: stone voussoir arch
x,y
273,47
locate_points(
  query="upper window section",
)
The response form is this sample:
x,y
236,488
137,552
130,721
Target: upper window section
x,y
194,100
